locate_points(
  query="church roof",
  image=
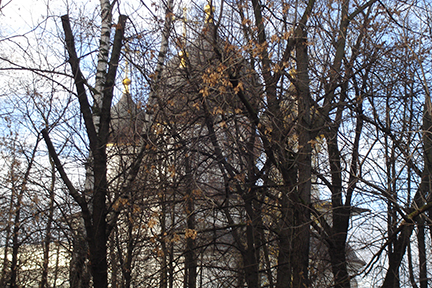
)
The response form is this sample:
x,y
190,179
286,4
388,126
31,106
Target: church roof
x,y
126,121
208,68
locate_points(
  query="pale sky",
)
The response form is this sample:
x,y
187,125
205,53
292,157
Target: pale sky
x,y
20,15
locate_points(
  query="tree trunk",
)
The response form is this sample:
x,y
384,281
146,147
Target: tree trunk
x,y
400,245
47,240
284,272
114,257
127,265
15,243
17,223
422,254
190,258
301,232
250,261
163,218
97,127
4,276
79,274
338,248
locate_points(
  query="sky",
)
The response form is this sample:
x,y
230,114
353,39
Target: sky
x,y
20,16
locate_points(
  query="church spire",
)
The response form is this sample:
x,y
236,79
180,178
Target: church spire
x,y
209,10
293,70
126,81
184,26
183,54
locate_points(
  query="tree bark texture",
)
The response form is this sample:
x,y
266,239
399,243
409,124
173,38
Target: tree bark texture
x,y
97,128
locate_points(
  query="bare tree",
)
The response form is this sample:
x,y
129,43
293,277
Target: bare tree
x,y
268,129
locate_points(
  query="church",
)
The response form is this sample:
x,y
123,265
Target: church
x,y
200,210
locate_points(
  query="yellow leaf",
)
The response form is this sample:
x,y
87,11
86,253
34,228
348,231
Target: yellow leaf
x,y
175,238
191,233
196,106
205,92
151,223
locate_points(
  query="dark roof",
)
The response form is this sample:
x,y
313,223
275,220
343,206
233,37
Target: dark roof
x,y
126,121
181,89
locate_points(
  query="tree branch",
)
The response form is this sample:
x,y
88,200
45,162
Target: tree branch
x,y
79,83
110,80
73,192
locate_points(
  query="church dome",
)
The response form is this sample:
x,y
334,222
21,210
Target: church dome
x,y
126,121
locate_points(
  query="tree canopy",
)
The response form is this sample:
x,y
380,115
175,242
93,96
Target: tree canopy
x,y
279,143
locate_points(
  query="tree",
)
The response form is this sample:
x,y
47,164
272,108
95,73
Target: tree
x,y
267,131
97,127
